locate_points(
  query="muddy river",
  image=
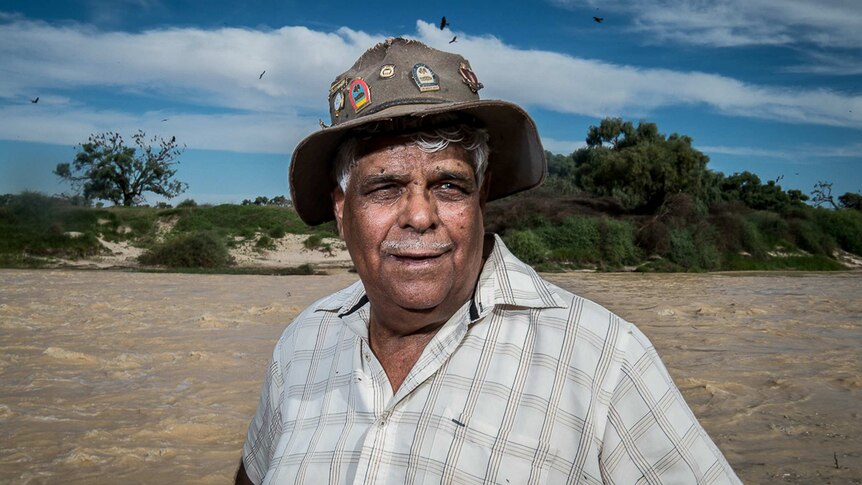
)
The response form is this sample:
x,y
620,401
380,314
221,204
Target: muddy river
x,y
115,377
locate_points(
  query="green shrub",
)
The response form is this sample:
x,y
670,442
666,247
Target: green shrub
x,y
265,242
527,246
277,232
654,238
195,250
187,203
844,226
576,240
682,249
313,241
808,236
752,241
772,228
617,242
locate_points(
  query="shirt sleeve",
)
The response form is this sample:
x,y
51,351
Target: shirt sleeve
x,y
651,435
266,426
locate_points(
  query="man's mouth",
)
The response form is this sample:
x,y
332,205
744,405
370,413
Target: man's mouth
x,y
418,251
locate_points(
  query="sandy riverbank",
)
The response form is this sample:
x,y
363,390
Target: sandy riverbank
x,y
287,252
117,377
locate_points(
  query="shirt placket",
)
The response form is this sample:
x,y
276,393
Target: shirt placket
x,y
375,388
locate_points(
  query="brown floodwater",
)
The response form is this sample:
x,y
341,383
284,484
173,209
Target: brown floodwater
x,y
114,377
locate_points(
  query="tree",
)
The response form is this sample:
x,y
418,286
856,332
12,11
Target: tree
x,y
851,200
106,168
747,188
822,194
640,166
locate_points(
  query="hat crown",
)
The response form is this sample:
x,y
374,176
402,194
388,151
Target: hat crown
x,y
400,72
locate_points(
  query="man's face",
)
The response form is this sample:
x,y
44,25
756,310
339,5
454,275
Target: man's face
x,y
412,222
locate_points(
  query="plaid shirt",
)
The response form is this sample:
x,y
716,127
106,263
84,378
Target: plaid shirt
x,y
526,383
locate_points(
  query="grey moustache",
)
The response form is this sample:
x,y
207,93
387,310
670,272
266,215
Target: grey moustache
x,y
395,246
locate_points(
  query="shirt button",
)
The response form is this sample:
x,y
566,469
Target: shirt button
x,y
383,418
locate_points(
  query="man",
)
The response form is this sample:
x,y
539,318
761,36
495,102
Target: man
x,y
451,361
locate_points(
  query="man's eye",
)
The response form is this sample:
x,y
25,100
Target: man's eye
x,y
452,190
450,186
384,191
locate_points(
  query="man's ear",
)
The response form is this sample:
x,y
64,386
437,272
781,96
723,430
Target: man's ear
x,y
338,208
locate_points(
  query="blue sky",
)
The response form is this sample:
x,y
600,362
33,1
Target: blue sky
x,y
769,86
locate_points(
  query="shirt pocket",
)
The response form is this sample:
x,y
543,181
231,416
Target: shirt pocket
x,y
473,455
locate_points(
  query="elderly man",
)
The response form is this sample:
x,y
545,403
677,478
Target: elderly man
x,y
451,361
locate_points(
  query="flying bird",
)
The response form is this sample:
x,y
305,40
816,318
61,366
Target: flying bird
x,y
443,23
164,119
454,39
34,101
261,74
599,19
173,139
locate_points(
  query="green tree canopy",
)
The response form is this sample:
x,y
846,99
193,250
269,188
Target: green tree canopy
x,y
105,168
851,200
640,166
747,188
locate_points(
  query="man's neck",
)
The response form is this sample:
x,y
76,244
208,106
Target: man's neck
x,y
398,336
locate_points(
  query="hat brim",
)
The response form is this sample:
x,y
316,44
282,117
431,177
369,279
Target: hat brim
x,y
517,159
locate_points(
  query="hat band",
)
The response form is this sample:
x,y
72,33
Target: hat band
x,y
398,102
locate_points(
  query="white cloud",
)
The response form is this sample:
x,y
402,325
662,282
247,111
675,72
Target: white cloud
x,y
798,153
727,23
207,83
566,84
563,147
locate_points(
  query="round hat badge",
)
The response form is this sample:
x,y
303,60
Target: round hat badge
x,y
387,71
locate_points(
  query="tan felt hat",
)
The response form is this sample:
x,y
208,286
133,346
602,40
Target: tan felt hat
x,y
400,81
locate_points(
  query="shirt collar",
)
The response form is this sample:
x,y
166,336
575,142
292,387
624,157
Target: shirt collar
x,y
504,280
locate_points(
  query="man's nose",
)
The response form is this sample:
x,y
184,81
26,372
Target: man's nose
x,y
419,211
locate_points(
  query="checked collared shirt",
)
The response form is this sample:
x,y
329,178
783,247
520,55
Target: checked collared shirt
x,y
526,383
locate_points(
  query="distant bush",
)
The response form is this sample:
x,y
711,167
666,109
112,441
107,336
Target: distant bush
x,y
617,242
844,226
277,232
265,242
808,236
773,229
654,238
315,242
195,250
576,240
694,250
527,246
35,224
187,203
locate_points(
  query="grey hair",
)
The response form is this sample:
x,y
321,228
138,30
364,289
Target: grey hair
x,y
473,140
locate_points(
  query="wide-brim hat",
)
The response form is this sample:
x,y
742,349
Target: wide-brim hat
x,y
402,82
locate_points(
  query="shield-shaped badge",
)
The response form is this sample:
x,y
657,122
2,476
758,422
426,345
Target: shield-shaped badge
x,y
360,95
425,78
469,78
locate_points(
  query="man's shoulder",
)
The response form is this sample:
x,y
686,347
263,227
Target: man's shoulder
x,y
583,311
327,307
519,285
